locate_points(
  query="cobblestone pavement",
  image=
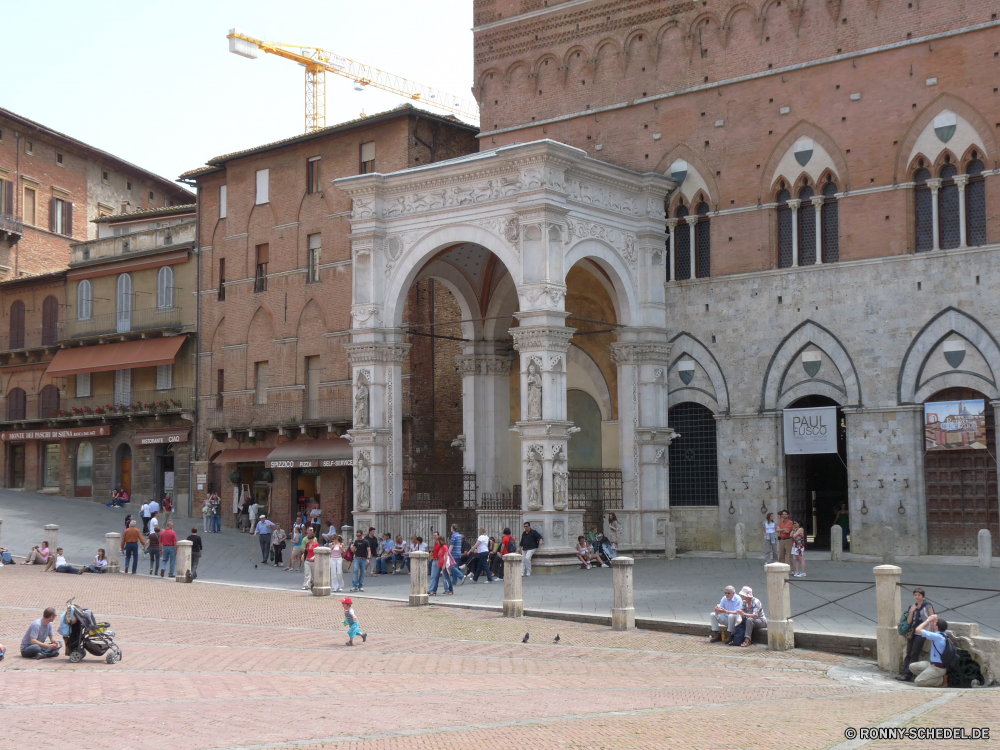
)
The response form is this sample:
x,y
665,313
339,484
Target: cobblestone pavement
x,y
209,666
683,589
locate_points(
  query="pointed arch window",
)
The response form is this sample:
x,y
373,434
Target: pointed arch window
x,y
923,209
165,288
703,241
975,202
784,229
124,303
17,402
683,237
948,207
807,227
17,325
830,220
84,300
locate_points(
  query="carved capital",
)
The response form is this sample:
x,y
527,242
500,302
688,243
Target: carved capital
x,y
543,294
545,338
376,353
640,353
368,315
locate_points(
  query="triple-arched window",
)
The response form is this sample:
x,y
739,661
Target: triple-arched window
x,y
808,225
687,235
950,209
165,288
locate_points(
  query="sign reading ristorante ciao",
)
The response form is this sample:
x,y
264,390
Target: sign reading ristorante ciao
x,y
73,432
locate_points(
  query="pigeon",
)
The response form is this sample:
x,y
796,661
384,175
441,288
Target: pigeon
x,y
525,639
255,567
557,638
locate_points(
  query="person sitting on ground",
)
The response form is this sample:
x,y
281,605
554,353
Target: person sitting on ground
x,y
384,553
62,566
585,553
798,550
726,616
100,563
38,642
331,533
38,555
752,613
918,612
5,558
931,673
398,553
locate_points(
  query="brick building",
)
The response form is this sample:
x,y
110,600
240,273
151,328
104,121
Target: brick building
x,y
52,188
275,311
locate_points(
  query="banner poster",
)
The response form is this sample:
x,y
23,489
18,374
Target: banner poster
x,y
810,430
952,425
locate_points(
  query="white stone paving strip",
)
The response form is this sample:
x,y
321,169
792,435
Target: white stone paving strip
x,y
903,717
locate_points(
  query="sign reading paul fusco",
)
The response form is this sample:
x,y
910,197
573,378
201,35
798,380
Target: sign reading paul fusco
x,y
951,425
811,430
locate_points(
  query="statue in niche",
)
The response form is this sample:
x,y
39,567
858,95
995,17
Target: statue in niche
x,y
534,479
560,479
534,391
361,410
363,483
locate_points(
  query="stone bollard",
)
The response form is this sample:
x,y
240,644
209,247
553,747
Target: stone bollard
x,y
985,548
887,638
321,572
888,546
741,542
418,579
183,571
836,543
51,535
670,540
623,613
112,547
513,604
780,633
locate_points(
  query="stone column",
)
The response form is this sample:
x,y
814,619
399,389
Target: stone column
x,y
669,540
418,579
513,603
836,543
672,226
623,613
985,549
112,550
935,186
888,545
321,572
377,436
51,535
741,542
692,250
780,633
817,202
183,570
643,357
888,639
485,439
961,180
794,206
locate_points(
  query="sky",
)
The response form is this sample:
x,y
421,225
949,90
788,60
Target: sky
x,y
156,85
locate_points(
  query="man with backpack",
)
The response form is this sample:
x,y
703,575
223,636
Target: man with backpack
x,y
943,654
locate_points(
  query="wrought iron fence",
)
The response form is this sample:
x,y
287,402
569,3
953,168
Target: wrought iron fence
x,y
499,511
455,493
596,492
135,402
277,414
149,319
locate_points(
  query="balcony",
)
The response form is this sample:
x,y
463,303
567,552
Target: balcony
x,y
11,228
26,341
134,403
278,414
111,324
136,242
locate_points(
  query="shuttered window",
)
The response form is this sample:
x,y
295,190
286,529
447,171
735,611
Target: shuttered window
x,y
164,377
165,288
124,304
368,157
61,217
220,387
315,249
83,385
50,321
29,207
261,382
262,185
84,300
123,386
222,202
48,402
16,404
8,197
312,175
17,325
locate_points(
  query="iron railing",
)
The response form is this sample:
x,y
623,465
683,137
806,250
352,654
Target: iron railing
x,y
595,492
147,239
125,404
277,414
29,339
149,319
499,511
455,493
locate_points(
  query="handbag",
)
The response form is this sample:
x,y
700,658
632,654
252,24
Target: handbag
x,y
348,554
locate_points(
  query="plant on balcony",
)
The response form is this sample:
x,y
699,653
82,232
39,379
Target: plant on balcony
x,y
99,410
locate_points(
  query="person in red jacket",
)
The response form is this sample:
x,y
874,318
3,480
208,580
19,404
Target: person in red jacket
x,y
168,549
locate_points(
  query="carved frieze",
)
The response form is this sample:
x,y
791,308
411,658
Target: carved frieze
x,y
534,338
640,352
622,240
371,353
603,197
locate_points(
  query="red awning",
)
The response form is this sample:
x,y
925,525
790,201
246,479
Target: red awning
x,y
242,455
124,355
303,454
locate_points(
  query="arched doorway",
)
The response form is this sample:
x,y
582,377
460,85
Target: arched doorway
x,y
816,483
960,472
123,463
585,450
694,469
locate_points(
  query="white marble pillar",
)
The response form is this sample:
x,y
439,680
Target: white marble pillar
x,y
794,206
623,611
112,550
887,638
485,438
817,202
418,578
692,250
672,226
51,535
321,572
182,572
513,602
935,186
961,180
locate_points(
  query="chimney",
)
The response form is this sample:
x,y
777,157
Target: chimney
x,y
125,206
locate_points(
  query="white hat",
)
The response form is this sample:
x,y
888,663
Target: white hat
x,y
746,591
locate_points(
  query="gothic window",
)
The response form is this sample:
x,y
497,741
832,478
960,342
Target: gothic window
x,y
17,325
50,321
975,202
703,242
165,288
923,210
17,402
807,227
948,207
830,219
694,472
784,229
683,237
48,402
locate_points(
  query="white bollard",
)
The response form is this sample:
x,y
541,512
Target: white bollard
x,y
513,603
670,540
112,547
321,572
418,579
888,546
623,613
985,549
780,632
888,641
182,574
51,535
741,542
836,543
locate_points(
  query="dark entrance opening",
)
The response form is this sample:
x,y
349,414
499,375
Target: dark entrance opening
x,y
163,478
17,466
817,483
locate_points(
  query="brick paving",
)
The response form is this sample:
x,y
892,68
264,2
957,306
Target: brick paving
x,y
211,666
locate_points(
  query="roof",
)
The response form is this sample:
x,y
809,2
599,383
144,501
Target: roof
x,y
148,213
47,131
33,278
403,110
118,356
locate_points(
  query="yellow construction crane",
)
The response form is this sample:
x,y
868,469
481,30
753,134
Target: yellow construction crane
x,y
318,62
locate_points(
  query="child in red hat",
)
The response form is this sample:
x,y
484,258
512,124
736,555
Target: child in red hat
x,y
351,621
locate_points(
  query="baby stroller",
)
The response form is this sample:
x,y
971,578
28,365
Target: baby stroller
x,y
87,635
604,549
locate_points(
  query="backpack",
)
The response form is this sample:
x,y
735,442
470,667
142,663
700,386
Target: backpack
x,y
904,626
511,545
949,655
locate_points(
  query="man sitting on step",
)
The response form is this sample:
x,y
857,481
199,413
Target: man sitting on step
x,y
726,615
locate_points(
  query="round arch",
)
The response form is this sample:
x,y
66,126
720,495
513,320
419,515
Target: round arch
x,y
460,288
610,261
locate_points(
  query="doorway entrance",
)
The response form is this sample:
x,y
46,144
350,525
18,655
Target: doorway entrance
x,y
163,476
17,466
125,468
817,482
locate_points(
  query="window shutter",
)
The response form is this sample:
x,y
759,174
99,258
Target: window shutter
x,y
164,377
53,210
368,151
222,202
8,194
263,253
123,386
262,178
67,222
82,384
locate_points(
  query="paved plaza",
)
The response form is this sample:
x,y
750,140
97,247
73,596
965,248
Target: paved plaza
x,y
210,666
683,589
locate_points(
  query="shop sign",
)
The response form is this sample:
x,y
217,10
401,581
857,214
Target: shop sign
x,y
310,471
309,464
175,437
811,430
951,425
74,432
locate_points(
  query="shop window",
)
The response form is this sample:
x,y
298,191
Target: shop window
x,y
694,470
50,465
17,403
50,321
312,175
83,385
923,210
84,300
682,235
165,288
975,203
48,402
703,242
84,465
315,250
784,229
830,218
17,325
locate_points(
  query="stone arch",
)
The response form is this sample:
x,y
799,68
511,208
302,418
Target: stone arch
x,y
685,344
541,61
905,154
508,74
704,171
576,49
412,261
801,129
460,288
808,332
610,261
948,321
731,13
606,41
502,306
596,385
311,327
700,20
